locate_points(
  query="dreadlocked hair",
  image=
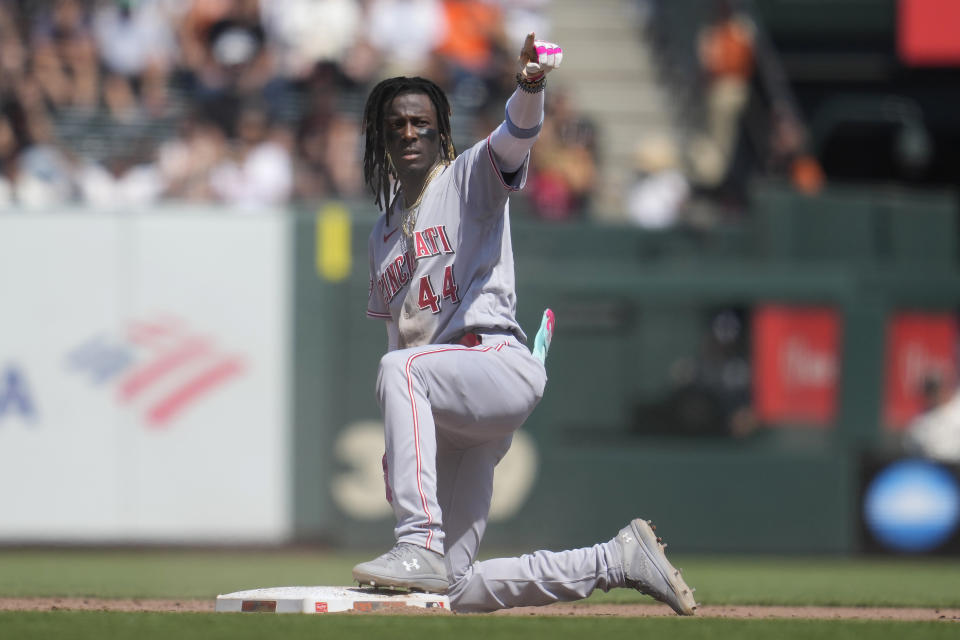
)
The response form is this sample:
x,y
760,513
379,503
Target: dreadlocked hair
x,y
377,171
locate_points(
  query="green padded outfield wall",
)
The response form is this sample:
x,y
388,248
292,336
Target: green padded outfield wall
x,y
630,304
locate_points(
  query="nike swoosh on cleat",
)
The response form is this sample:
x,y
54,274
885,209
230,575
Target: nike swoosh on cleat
x,y
386,236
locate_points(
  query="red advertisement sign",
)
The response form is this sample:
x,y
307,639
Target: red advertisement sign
x,y
927,32
796,364
920,347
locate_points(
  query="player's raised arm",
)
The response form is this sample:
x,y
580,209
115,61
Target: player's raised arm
x,y
513,139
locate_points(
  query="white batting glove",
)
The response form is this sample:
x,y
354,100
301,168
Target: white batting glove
x,y
538,57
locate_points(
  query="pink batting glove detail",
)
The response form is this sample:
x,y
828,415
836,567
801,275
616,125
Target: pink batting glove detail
x,y
549,55
538,57
542,49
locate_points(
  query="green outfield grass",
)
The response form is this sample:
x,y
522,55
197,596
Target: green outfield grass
x,y
83,625
718,579
202,574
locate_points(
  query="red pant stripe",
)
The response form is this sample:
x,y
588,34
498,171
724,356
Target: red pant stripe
x,y
416,424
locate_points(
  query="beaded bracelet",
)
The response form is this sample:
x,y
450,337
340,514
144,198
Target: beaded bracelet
x,y
532,85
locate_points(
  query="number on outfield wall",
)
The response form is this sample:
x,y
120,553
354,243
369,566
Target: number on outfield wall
x,y
358,491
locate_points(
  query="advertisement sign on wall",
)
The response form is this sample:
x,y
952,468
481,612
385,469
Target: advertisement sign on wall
x,y
909,506
143,378
927,32
921,350
796,364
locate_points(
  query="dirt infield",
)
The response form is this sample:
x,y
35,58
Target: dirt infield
x,y
611,610
106,604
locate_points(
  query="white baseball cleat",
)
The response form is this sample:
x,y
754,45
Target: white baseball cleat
x,y
406,566
647,569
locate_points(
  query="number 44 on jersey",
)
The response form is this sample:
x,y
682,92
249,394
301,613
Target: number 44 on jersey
x,y
427,297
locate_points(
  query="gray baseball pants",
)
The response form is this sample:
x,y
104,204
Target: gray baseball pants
x,y
449,416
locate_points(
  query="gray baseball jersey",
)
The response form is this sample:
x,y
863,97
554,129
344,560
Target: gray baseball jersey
x,y
455,273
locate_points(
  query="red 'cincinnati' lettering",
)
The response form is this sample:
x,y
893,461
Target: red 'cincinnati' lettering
x,y
401,269
444,240
431,235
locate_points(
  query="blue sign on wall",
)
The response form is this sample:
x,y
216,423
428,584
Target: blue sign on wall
x,y
911,506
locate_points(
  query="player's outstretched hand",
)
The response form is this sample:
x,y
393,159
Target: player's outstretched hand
x,y
538,57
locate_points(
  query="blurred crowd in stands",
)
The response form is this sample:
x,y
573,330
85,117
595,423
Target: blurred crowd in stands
x,y
256,103
735,117
247,102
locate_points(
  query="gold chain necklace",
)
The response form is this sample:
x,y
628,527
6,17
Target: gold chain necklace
x,y
409,219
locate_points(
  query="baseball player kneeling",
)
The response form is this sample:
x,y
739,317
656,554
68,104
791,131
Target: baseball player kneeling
x,y
458,378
